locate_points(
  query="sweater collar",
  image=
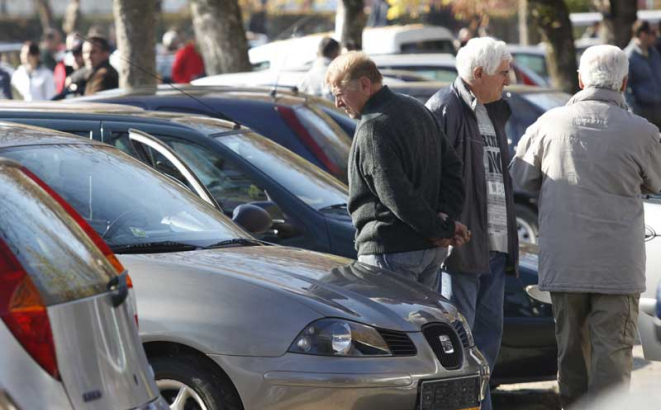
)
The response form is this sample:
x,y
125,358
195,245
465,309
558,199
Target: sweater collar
x,y
599,94
377,101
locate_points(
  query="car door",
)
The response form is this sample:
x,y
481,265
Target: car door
x,y
648,300
232,183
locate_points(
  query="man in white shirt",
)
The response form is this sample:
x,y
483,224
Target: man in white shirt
x,y
32,80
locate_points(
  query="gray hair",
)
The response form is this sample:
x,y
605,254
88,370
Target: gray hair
x,y
482,52
604,66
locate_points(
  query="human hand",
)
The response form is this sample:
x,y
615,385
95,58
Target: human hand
x,y
462,234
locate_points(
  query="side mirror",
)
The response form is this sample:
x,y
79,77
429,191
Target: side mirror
x,y
252,218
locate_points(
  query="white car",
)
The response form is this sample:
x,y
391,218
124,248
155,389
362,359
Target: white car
x,y
649,299
301,51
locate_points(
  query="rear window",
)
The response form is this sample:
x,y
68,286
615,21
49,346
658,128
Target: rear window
x,y
328,134
430,46
60,258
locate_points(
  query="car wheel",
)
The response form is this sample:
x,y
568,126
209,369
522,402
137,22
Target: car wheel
x,y
526,224
188,383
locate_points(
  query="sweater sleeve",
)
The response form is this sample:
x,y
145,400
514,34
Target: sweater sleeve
x,y
382,168
452,193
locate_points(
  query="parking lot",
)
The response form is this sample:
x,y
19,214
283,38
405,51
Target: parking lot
x,y
544,395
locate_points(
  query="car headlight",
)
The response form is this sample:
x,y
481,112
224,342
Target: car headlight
x,y
465,329
336,337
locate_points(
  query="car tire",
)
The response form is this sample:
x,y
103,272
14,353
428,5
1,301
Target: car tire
x,y
194,383
526,224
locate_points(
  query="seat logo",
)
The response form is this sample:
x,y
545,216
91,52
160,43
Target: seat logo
x,y
446,342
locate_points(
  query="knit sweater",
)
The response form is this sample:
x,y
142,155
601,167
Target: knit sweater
x,y
402,173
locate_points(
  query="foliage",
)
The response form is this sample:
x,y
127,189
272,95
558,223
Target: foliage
x,y
463,9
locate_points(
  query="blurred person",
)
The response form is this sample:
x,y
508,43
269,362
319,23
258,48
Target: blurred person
x,y
31,79
73,59
314,80
188,64
75,69
590,161
473,116
643,93
463,36
170,43
378,16
405,188
5,85
101,75
51,48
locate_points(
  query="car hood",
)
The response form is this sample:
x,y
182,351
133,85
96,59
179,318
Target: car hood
x,y
330,285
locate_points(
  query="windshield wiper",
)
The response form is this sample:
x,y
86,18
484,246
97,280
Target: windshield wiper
x,y
336,206
236,241
153,247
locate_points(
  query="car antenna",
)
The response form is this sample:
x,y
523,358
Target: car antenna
x,y
294,29
220,115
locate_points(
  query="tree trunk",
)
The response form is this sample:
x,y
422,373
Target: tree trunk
x,y
552,19
220,36
619,16
71,21
45,14
350,21
135,24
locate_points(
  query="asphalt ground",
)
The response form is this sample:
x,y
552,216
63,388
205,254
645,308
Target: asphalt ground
x,y
544,395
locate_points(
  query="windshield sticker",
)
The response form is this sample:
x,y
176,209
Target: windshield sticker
x,y
137,232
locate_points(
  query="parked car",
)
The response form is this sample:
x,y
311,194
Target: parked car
x,y
431,67
649,325
299,52
228,321
293,120
68,336
307,205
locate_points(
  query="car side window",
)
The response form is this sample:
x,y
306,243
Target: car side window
x,y
229,186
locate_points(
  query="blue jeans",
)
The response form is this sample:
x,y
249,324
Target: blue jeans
x,y
421,266
480,299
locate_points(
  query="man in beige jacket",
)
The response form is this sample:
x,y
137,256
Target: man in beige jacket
x,y
590,162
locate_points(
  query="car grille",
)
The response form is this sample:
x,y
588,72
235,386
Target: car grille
x,y
399,343
461,332
445,343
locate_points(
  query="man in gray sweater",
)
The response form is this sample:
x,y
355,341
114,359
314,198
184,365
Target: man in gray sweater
x,y
405,186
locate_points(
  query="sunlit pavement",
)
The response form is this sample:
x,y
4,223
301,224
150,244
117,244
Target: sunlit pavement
x,y
544,395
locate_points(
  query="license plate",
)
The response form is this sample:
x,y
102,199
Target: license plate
x,y
451,394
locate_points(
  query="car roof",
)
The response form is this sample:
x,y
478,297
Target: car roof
x,y
436,85
435,59
284,95
14,135
92,108
116,112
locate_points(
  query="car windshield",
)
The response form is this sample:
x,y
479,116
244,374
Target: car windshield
x,y
546,101
125,201
307,182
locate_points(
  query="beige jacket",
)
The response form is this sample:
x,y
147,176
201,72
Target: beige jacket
x,y
590,161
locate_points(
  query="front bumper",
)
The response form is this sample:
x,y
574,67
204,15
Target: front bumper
x,y
296,381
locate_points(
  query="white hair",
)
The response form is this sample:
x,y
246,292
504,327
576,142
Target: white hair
x,y
482,52
603,66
